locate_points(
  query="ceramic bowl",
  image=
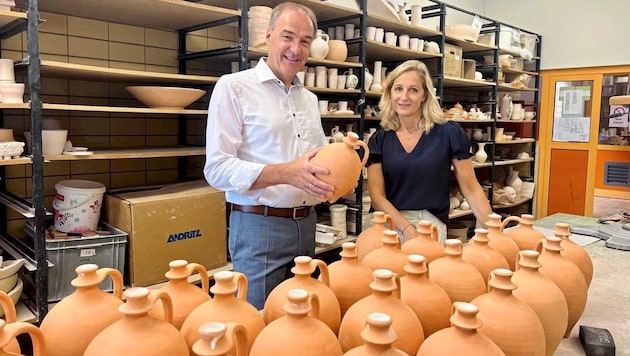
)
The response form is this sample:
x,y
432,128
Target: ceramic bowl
x,y
53,141
12,93
165,97
14,294
10,267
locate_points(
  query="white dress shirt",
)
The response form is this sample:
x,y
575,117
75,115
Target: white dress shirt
x,y
253,120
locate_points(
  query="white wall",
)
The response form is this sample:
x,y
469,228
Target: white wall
x,y
576,33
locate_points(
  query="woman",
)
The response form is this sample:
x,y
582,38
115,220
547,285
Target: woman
x,y
411,155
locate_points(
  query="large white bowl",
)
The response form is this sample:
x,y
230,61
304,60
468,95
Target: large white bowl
x,y
165,97
14,294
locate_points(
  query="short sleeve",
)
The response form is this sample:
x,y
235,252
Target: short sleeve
x,y
460,143
375,144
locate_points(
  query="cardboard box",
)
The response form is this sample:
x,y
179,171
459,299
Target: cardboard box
x,y
453,61
181,221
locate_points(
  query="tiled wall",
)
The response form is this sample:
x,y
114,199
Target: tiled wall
x,y
91,42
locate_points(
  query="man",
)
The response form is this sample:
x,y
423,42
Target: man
x,y
263,129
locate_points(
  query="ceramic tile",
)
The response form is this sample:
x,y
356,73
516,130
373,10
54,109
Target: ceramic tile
x,y
55,86
15,227
88,88
91,142
128,165
88,167
14,43
127,179
126,34
127,141
16,186
196,43
89,126
161,177
201,32
128,126
123,52
14,172
54,23
161,69
87,48
227,32
162,163
218,43
162,126
161,141
89,28
53,44
127,65
161,56
13,54
76,100
160,38
96,177
89,61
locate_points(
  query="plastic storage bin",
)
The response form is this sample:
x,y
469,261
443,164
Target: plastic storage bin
x,y
66,255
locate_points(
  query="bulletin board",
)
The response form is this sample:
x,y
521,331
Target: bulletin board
x,y
572,121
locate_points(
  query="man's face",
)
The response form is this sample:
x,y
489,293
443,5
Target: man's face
x,y
289,44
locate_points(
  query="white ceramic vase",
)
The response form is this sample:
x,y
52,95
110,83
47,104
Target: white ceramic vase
x,y
514,181
477,134
376,82
481,156
319,46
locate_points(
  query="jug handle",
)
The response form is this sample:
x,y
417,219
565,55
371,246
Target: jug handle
x,y
366,154
10,314
241,281
390,221
167,303
326,36
203,274
239,336
323,271
539,245
435,233
314,298
12,330
509,219
116,277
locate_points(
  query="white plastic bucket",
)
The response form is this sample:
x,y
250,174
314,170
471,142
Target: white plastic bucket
x,y
528,41
509,38
78,205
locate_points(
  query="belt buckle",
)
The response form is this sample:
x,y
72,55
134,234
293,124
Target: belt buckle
x,y
298,217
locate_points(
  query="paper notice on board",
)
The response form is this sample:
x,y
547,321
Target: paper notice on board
x,y
619,116
573,103
571,129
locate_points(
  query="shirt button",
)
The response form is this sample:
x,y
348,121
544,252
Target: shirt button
x,y
299,135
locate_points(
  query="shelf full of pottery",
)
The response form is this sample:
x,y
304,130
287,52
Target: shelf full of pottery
x,y
508,278
11,93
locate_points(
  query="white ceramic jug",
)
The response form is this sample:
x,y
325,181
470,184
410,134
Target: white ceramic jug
x,y
319,46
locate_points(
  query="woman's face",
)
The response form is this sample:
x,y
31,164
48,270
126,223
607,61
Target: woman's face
x,y
408,95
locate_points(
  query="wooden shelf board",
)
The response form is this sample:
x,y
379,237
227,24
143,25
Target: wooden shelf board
x,y
158,14
507,87
451,82
399,27
133,153
324,10
377,51
15,161
472,121
511,142
510,205
457,213
512,161
334,91
87,72
6,17
516,71
513,52
255,53
468,46
333,116
481,165
517,121
113,109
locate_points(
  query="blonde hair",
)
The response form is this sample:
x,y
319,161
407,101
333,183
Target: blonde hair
x,y
430,110
279,9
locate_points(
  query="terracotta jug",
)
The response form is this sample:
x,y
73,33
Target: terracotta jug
x,y
459,279
305,266
9,332
218,339
10,316
185,296
525,236
426,244
382,300
428,300
297,333
574,252
71,324
378,336
500,241
349,279
462,338
343,162
482,256
137,333
225,307
511,323
566,275
388,256
543,296
370,238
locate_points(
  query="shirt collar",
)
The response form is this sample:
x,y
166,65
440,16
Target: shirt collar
x,y
266,74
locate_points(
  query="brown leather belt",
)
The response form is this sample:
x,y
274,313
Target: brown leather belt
x,y
293,213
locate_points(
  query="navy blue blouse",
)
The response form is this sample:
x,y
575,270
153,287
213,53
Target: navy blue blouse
x,y
420,179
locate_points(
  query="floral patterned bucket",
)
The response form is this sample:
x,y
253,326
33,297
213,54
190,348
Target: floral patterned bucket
x,y
78,205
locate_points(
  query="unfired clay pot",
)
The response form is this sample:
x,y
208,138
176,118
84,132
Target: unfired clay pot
x,y
500,241
524,234
462,338
370,238
218,339
342,160
378,336
388,256
574,252
296,332
71,324
426,244
349,278
482,256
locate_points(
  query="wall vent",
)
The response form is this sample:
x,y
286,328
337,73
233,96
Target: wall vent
x,y
617,173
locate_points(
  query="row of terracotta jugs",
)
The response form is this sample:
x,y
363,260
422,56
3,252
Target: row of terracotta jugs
x,y
334,285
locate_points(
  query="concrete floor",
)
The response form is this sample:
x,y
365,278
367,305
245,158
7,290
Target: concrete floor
x,y
608,303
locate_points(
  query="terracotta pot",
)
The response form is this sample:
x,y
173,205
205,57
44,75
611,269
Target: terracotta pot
x,y
297,333
305,266
185,296
511,323
343,162
225,307
71,324
378,336
459,279
388,256
566,275
500,241
10,316
525,236
137,333
337,50
543,296
218,339
382,300
370,238
349,279
462,338
574,252
426,244
9,332
433,309
482,256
